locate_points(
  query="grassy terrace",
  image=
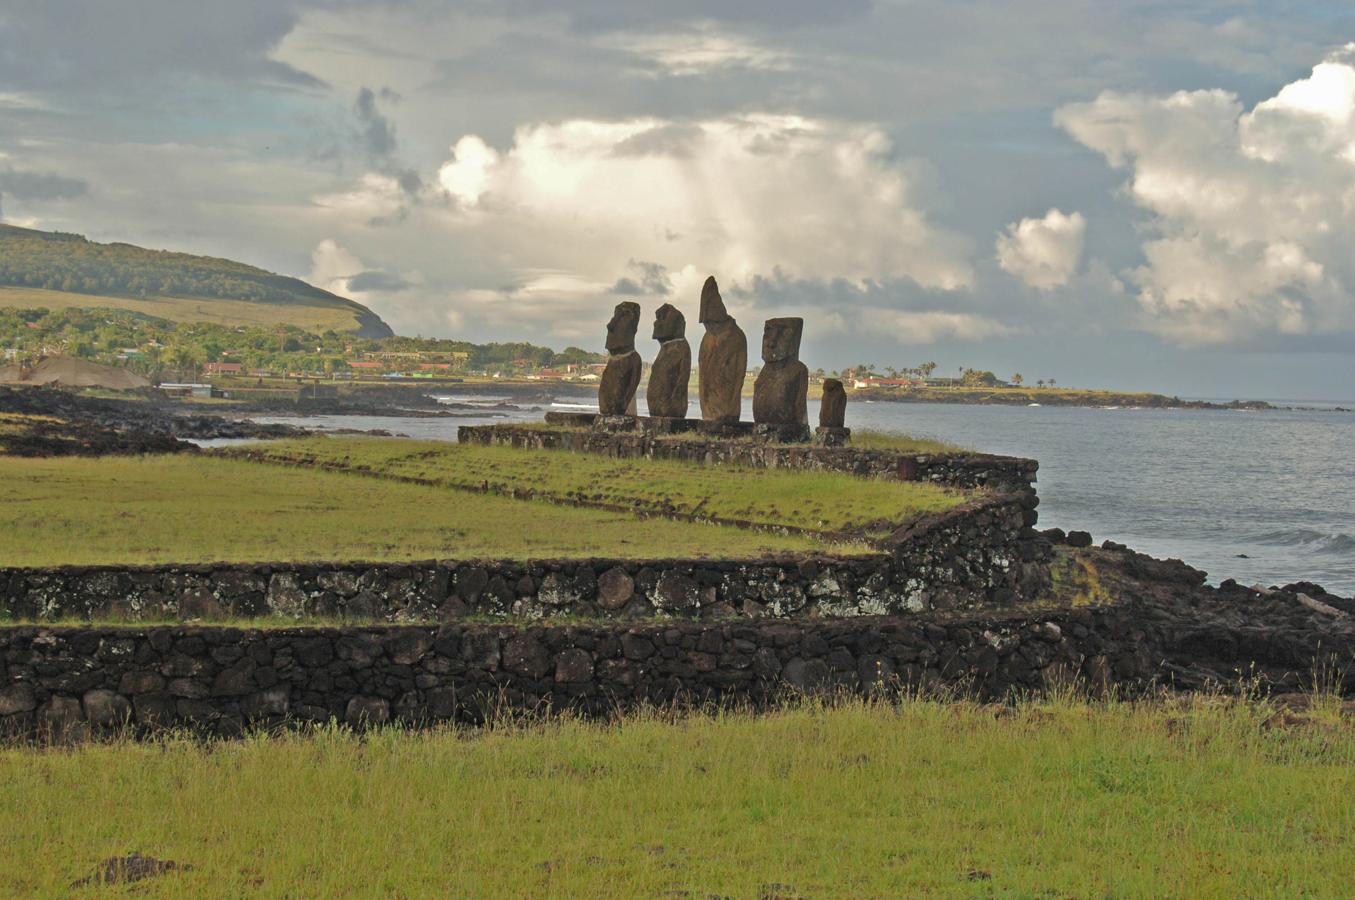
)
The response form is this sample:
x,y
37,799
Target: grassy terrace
x,y
1059,798
205,509
820,501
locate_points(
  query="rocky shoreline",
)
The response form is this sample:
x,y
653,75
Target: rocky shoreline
x,y
1092,399
58,422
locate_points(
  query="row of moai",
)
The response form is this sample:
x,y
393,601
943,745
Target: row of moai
x,y
780,392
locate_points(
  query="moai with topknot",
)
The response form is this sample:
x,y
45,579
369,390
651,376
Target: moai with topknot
x,y
723,359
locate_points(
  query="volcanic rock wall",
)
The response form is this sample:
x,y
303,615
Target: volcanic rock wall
x,y
975,555
67,681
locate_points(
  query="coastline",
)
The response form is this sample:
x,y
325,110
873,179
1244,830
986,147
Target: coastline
x,y
1091,399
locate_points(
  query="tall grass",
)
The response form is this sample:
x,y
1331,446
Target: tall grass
x,y
1059,797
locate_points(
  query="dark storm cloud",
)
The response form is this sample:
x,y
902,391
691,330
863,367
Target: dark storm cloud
x,y
100,47
377,281
40,185
376,138
650,278
377,134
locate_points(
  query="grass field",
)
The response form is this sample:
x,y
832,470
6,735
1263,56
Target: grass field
x,y
1060,798
903,443
204,509
821,501
188,309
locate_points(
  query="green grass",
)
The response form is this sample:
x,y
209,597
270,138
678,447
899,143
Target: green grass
x,y
903,443
1054,799
205,509
188,309
821,501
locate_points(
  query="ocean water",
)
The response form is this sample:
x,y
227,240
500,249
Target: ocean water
x,y
1263,497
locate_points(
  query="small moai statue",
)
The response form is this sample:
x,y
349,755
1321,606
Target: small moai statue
x,y
781,391
832,430
723,359
616,391
672,368
833,408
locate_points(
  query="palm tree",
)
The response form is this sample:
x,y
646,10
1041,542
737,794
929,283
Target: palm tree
x,y
1052,382
1040,383
1017,379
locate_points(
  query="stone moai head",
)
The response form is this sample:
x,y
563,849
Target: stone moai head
x,y
712,306
669,323
781,339
621,329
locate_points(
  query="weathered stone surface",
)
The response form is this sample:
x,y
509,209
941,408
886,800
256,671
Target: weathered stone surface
x,y
367,711
574,666
666,394
676,591
833,408
524,654
106,709
615,588
408,646
141,683
616,391
832,437
17,698
723,359
781,391
285,596
60,718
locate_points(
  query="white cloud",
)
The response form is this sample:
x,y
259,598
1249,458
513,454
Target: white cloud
x,y
332,265
466,175
20,100
739,197
1253,211
698,52
374,196
1045,252
930,326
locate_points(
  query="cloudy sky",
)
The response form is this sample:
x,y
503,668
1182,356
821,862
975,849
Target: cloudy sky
x,y
1143,195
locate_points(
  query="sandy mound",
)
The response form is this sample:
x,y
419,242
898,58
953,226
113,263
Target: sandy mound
x,y
74,373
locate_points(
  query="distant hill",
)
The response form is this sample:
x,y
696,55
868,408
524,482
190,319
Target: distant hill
x,y
61,271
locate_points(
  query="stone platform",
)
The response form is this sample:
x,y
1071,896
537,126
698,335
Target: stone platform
x,y
656,425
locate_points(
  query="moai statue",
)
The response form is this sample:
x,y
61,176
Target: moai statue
x,y
723,361
672,369
781,392
616,392
832,432
833,408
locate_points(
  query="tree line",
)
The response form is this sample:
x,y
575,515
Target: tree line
x,y
68,262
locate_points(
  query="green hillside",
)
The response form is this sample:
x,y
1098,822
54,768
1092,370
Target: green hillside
x,y
61,271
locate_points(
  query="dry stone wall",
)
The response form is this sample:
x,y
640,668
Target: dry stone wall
x,y
976,555
69,681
